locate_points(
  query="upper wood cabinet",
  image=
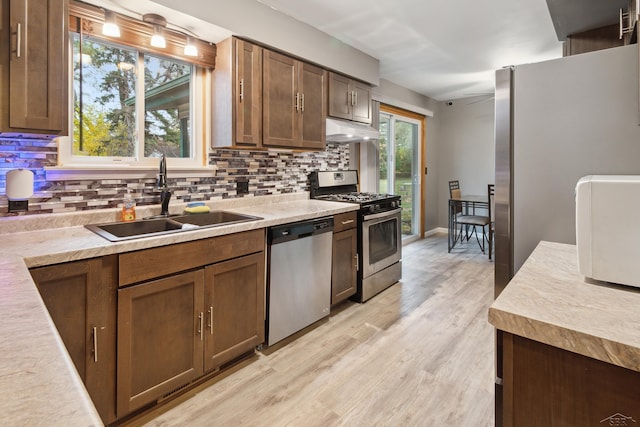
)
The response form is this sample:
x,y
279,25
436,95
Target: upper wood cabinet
x,y
237,94
349,99
81,299
33,72
294,106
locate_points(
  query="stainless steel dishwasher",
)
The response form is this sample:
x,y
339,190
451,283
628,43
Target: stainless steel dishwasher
x,y
299,285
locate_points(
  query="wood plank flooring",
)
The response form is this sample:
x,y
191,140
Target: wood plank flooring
x,y
419,354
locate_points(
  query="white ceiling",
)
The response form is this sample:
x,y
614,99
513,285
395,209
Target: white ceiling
x,y
439,48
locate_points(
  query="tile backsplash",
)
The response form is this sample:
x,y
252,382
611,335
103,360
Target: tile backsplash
x,y
267,172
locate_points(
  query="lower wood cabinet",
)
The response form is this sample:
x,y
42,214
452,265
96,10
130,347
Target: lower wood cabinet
x,y
81,299
344,268
176,328
547,386
234,307
141,325
160,331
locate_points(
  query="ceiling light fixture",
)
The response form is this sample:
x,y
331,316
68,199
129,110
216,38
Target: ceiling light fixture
x,y
110,27
159,23
190,48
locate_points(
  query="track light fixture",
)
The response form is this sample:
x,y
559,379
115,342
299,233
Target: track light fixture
x,y
110,27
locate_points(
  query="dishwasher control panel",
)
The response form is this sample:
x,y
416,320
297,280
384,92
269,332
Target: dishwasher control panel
x,y
301,229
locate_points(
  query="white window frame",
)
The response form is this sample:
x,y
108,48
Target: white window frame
x,y
200,124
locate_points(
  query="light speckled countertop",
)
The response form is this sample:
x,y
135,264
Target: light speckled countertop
x,y
37,379
549,301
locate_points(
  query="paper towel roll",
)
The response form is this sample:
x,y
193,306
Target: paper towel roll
x,y
19,184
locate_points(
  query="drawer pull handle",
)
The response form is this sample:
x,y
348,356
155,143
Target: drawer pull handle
x,y
349,221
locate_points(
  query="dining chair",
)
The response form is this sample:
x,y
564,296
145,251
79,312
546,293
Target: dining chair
x,y
474,222
491,193
454,193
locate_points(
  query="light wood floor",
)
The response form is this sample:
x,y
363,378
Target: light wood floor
x,y
419,354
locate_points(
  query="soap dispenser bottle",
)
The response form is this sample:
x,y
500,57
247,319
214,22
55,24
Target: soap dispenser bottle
x,y
128,208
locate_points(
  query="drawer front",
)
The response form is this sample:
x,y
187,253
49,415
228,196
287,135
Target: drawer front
x,y
345,221
147,264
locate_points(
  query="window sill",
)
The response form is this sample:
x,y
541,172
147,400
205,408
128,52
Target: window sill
x,y
65,173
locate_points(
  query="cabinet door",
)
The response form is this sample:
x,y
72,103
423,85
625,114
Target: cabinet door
x,y
37,66
280,101
81,299
340,96
313,110
361,102
248,93
160,338
234,307
345,265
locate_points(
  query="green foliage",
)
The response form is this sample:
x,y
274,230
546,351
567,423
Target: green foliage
x,y
105,102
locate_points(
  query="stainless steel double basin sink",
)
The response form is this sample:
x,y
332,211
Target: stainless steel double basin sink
x,y
117,231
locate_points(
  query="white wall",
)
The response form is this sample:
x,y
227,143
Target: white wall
x,y
574,116
465,148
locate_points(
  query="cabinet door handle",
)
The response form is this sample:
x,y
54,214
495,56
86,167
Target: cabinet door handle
x,y
302,103
355,95
349,221
297,101
201,325
95,344
353,98
211,320
18,40
241,90
357,258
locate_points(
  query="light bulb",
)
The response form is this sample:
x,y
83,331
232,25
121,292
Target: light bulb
x,y
157,39
110,27
190,48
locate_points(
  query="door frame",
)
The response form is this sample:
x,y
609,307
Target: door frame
x,y
422,144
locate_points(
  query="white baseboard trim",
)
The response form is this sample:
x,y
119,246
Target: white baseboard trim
x,y
436,230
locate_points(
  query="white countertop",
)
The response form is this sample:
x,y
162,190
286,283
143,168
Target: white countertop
x,y
549,301
38,381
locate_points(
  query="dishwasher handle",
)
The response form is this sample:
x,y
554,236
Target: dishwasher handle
x,y
299,230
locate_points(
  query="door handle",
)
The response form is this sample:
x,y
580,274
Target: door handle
x,y
357,258
297,101
211,320
302,103
18,40
201,325
241,90
95,344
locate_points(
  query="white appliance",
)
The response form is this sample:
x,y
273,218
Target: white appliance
x,y
608,228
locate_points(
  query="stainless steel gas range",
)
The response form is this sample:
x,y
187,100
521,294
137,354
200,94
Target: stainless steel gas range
x,y
379,233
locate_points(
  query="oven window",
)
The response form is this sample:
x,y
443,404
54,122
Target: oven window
x,y
383,240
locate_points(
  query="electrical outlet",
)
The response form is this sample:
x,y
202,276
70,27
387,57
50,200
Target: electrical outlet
x,y
242,187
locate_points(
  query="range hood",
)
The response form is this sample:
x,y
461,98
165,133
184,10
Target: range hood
x,y
345,131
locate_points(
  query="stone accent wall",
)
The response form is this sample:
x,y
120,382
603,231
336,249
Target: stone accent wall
x,y
268,172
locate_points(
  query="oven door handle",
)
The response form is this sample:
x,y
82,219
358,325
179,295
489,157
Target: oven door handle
x,y
382,214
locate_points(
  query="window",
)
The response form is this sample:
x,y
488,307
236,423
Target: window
x,y
130,103
131,106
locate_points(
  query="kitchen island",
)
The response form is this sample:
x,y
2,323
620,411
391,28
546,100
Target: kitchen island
x,y
571,346
38,378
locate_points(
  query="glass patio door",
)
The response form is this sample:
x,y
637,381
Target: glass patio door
x,y
400,165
